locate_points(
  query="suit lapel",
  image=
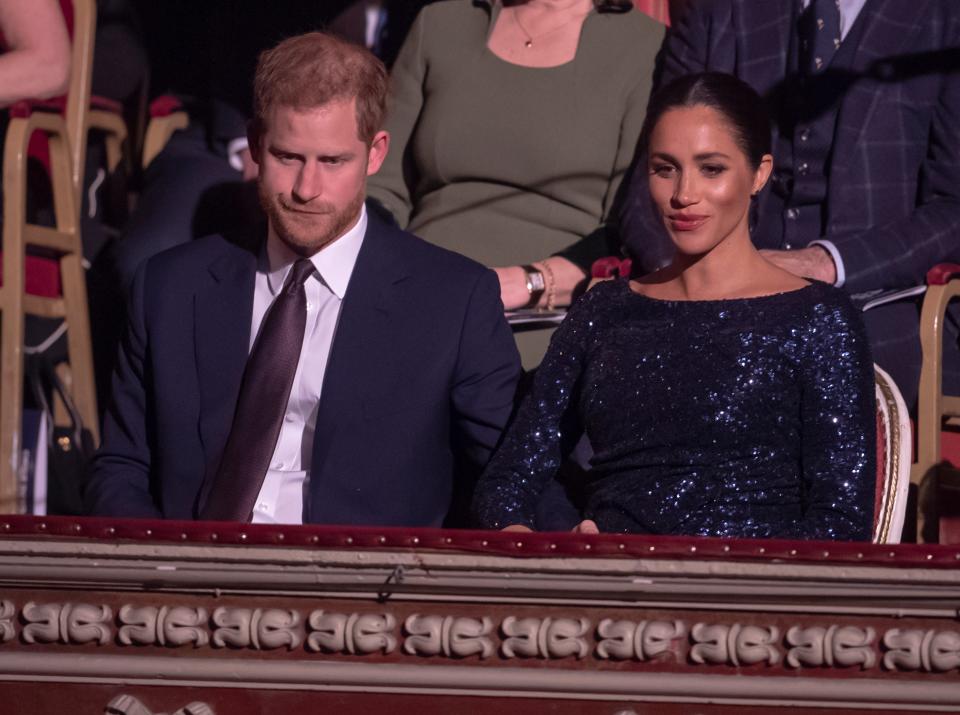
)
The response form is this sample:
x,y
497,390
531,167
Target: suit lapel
x,y
367,322
223,309
883,38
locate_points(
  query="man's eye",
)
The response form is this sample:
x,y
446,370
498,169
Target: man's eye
x,y
332,160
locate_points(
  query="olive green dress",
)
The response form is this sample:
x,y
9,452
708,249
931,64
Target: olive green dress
x,y
510,164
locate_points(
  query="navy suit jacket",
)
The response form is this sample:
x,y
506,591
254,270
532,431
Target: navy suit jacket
x,y
421,372
893,198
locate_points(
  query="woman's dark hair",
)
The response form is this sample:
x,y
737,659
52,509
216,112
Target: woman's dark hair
x,y
613,5
735,100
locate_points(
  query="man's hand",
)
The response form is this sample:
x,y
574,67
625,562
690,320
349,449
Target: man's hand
x,y
812,262
517,527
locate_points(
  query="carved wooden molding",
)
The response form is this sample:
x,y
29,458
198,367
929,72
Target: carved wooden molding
x,y
129,705
625,640
67,623
544,637
7,612
160,671
734,644
262,629
840,646
447,635
931,651
442,635
354,633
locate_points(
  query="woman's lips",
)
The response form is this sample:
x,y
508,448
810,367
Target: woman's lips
x,y
686,222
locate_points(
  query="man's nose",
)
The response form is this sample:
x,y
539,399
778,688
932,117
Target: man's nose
x,y
309,183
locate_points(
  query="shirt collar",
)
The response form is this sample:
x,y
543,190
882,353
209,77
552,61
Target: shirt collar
x,y
849,11
334,262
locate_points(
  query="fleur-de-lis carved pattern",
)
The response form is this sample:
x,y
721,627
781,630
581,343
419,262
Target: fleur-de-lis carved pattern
x,y
43,622
262,629
129,705
357,634
623,640
734,644
76,623
450,636
182,626
546,637
138,625
7,611
842,646
914,649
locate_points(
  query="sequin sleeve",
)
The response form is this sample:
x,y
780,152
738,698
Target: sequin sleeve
x,y
533,446
838,417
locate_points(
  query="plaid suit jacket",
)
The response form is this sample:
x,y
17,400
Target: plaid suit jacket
x,y
893,199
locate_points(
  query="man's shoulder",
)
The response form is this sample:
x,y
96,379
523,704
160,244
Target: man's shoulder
x,y
421,257
198,255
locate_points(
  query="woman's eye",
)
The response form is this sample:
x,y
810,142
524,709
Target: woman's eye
x,y
662,170
713,169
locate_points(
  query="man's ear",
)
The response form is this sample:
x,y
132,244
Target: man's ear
x,y
254,134
378,152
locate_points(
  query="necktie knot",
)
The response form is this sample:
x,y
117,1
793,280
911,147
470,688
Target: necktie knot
x,y
299,273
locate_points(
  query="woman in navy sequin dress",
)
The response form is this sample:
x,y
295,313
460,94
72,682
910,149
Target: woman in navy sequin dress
x,y
722,396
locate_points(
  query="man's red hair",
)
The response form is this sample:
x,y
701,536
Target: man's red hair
x,y
312,70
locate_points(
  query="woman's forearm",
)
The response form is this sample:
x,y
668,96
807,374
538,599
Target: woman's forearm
x,y
37,62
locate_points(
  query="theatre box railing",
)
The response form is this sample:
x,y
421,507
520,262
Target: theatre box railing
x,y
140,617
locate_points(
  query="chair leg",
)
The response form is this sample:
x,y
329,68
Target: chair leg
x,y
79,343
11,399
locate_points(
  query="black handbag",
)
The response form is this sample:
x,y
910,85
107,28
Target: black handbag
x,y
69,447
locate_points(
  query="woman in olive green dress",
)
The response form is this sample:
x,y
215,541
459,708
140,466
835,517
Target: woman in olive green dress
x,y
512,126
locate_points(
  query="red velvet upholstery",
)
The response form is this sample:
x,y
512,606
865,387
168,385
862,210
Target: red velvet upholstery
x,y
482,542
42,276
165,105
942,273
611,266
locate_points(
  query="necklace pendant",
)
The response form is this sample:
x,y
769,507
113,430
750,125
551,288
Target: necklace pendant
x,y
528,44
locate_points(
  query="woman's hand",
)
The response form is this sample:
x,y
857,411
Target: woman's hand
x,y
587,526
513,287
518,527
560,276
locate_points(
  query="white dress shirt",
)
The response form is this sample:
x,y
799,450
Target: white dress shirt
x,y
281,499
849,11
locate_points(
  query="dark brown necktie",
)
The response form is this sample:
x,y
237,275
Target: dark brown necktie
x,y
264,393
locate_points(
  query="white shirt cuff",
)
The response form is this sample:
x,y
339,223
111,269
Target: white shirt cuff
x,y
234,148
837,260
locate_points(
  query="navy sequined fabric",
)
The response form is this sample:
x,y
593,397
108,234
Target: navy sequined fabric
x,y
744,418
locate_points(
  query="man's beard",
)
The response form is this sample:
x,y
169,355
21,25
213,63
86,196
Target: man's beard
x,y
303,233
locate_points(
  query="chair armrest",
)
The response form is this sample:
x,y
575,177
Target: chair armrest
x,y
160,129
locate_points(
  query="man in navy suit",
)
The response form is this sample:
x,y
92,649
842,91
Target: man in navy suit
x,y
865,96
406,370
